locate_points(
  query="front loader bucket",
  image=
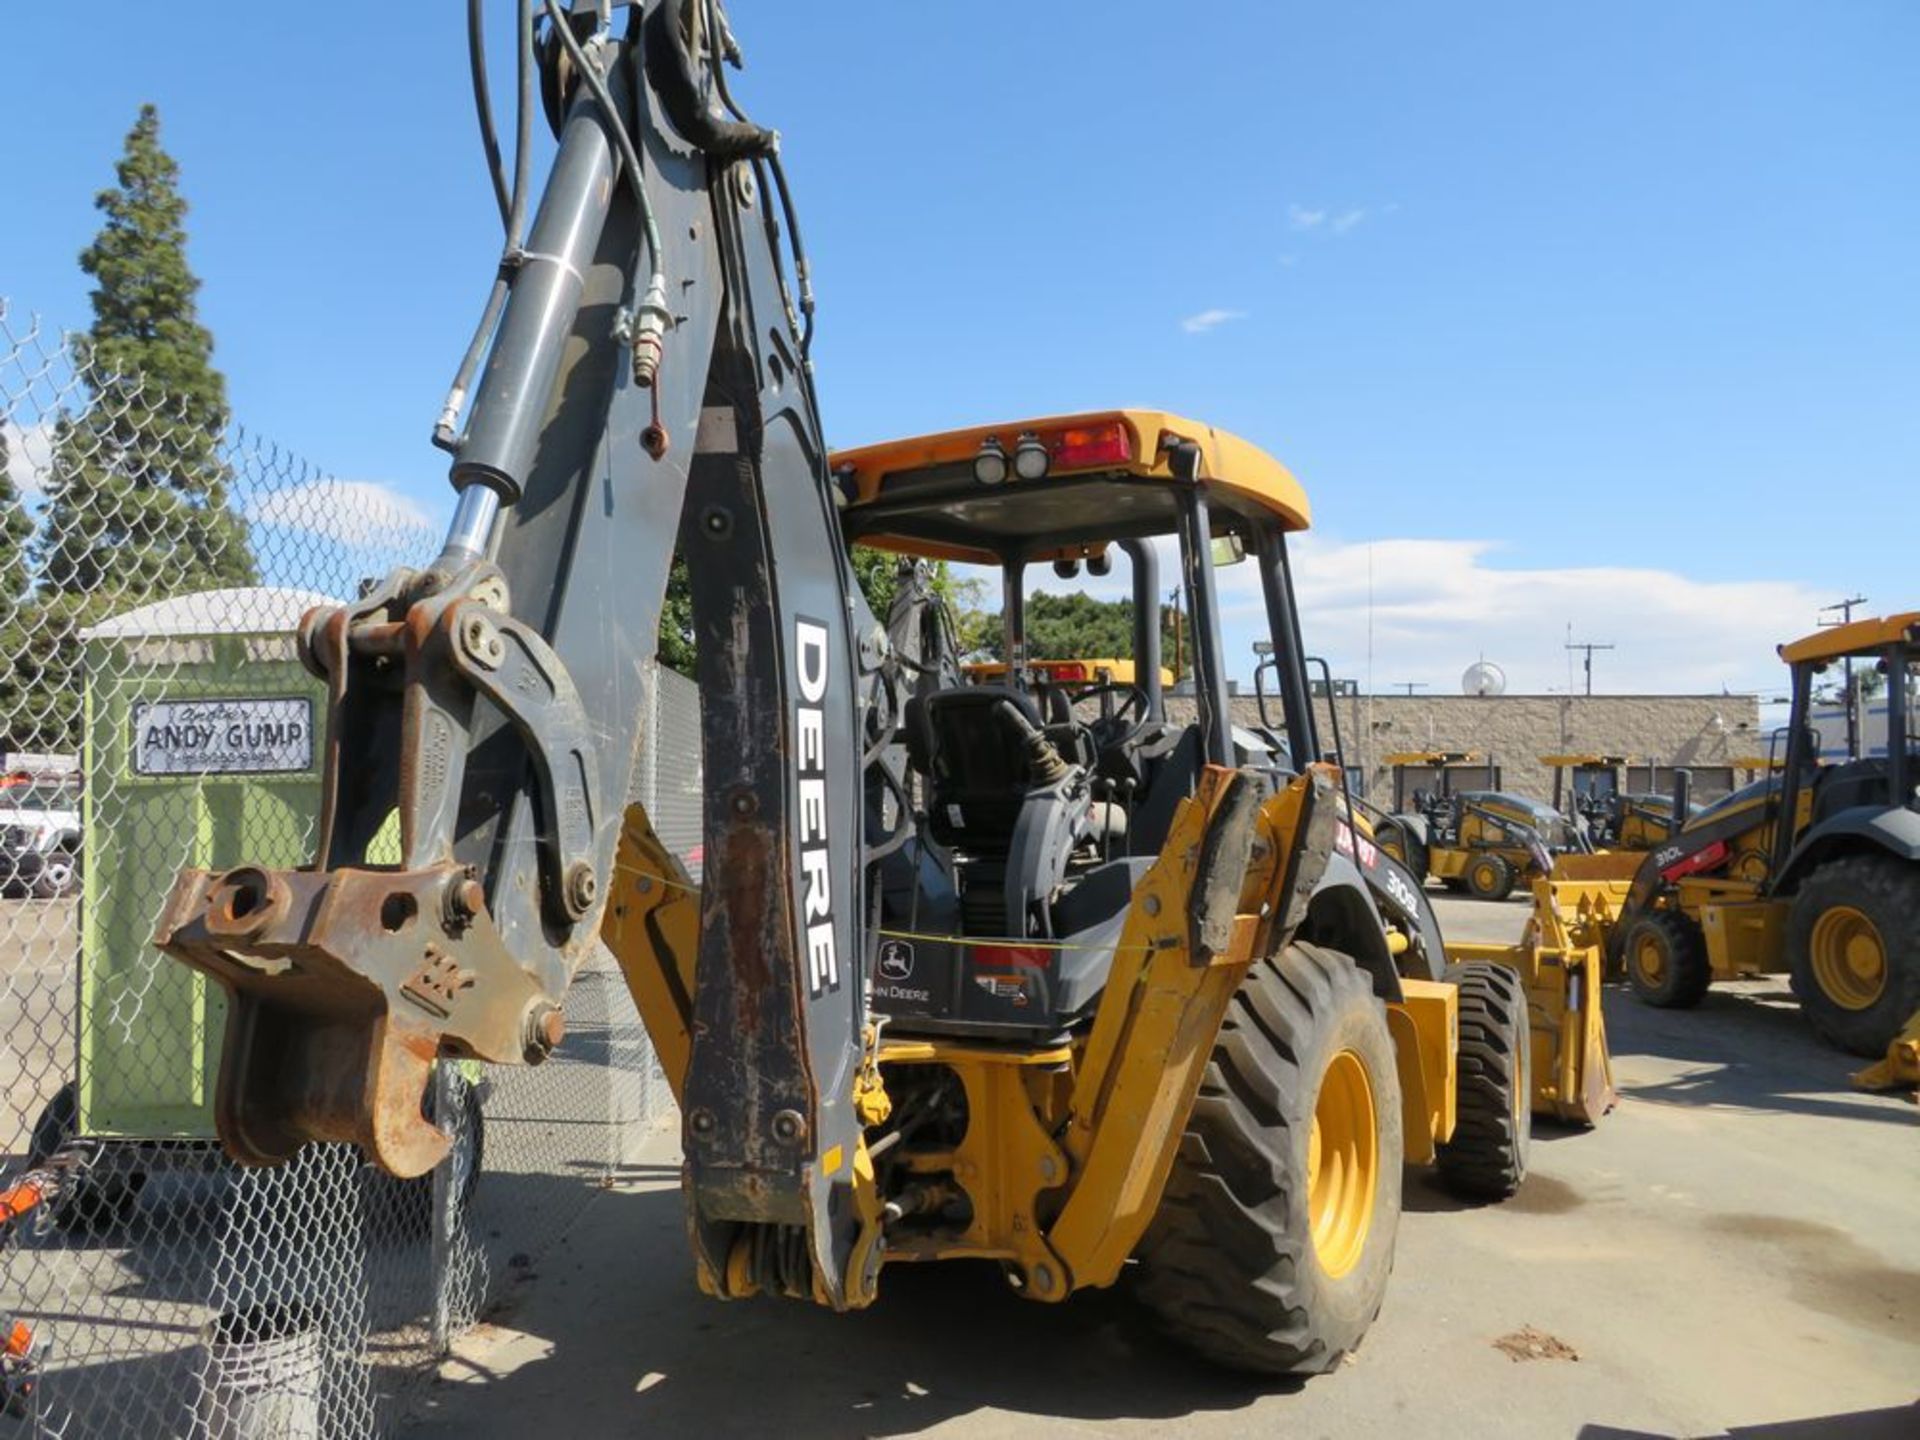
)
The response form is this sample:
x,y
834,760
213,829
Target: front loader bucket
x,y
1560,960
1600,865
1900,1070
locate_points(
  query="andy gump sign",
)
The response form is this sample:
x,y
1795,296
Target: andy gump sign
x,y
250,736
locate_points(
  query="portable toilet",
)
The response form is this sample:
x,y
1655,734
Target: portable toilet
x,y
203,747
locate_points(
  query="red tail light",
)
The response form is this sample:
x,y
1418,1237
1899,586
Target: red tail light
x,y
1009,957
1065,670
1108,444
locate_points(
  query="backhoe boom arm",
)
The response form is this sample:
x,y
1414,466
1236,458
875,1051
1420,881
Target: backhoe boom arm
x,y
494,699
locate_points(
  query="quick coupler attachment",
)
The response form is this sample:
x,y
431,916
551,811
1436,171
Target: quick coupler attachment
x,y
343,988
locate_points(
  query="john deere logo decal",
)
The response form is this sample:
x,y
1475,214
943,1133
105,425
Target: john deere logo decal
x,y
896,960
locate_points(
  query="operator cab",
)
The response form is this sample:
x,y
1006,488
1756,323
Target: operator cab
x,y
1042,787
1862,753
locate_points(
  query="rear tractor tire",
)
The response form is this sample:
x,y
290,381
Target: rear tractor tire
x,y
1666,959
1486,1158
1489,877
1853,939
1274,1238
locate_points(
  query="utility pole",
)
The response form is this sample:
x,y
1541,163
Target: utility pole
x,y
1589,647
1847,704
1173,599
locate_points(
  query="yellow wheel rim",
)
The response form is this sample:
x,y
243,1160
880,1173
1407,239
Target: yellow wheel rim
x,y
1393,847
1343,1159
1650,961
1522,1101
1849,959
1483,875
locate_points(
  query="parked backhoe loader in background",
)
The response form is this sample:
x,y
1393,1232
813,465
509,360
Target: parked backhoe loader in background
x,y
1812,870
1594,793
965,979
1482,841
1067,675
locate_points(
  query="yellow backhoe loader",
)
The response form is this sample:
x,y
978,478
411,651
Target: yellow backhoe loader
x,y
1080,993
1480,840
1812,870
1594,793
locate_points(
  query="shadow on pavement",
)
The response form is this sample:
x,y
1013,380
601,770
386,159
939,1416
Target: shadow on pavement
x,y
630,1347
1899,1423
1753,1052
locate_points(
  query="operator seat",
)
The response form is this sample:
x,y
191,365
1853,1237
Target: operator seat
x,y
1851,784
978,763
1002,794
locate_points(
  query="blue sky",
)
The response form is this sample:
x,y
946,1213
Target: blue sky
x,y
1590,315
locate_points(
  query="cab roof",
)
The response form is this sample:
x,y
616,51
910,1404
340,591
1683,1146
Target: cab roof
x,y
1445,758
1861,637
1109,477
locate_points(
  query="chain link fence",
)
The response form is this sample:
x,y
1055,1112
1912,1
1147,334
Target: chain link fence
x,y
154,715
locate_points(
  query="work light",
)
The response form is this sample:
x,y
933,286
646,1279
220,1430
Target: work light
x,y
990,465
1030,458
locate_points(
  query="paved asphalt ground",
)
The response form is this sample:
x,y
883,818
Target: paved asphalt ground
x,y
1734,1252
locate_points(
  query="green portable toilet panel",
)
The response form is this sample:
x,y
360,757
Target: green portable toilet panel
x,y
203,747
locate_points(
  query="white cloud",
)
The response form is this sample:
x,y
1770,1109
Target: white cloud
x,y
1208,319
354,511
1332,222
29,456
1439,605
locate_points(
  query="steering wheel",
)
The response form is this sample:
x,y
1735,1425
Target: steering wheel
x,y
1127,722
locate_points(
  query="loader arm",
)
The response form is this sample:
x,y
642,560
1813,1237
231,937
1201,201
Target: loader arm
x,y
639,395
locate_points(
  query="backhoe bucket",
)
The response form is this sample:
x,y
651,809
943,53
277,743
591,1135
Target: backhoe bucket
x,y
1560,960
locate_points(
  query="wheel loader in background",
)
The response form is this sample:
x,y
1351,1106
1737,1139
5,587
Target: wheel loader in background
x,y
1483,841
1593,793
1812,870
934,1000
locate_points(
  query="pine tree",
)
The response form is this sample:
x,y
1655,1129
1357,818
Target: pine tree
x,y
138,505
16,527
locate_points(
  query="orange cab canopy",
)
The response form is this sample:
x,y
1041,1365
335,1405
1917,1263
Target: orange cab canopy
x,y
1861,637
1069,484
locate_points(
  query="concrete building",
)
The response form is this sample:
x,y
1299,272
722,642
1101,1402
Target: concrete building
x,y
1704,733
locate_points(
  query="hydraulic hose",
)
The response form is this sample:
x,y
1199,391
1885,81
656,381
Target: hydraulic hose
x,y
483,102
725,50
513,205
649,335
